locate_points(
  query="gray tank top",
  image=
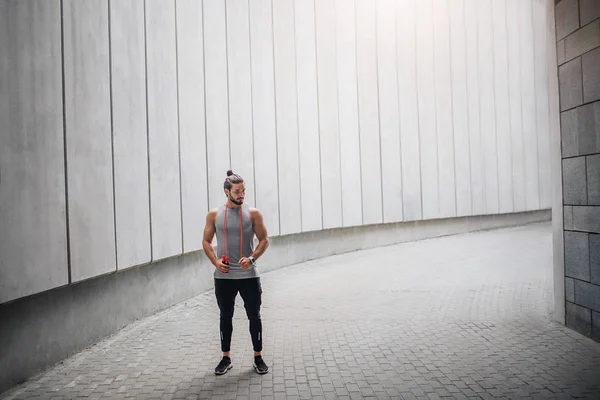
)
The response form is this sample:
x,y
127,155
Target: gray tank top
x,y
233,235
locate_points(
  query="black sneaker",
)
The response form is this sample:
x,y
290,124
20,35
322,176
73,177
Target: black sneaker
x,y
260,366
224,366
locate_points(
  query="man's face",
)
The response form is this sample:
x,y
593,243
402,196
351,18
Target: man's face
x,y
236,194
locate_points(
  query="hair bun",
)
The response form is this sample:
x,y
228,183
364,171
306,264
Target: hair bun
x,y
229,172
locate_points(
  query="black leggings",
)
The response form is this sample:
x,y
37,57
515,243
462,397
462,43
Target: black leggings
x,y
250,289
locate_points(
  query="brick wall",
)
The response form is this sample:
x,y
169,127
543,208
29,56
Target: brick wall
x,y
578,54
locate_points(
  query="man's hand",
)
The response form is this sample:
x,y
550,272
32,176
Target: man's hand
x,y
245,263
224,268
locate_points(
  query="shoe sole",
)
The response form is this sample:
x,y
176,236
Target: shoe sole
x,y
226,370
260,372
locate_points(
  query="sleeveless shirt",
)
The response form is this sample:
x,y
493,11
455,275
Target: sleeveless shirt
x,y
233,235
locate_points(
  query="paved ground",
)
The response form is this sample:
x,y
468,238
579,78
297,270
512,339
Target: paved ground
x,y
460,317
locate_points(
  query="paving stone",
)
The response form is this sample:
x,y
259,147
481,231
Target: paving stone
x,y
465,316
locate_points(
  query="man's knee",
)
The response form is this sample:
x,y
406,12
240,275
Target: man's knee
x,y
253,314
226,315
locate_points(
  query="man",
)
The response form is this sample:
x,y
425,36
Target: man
x,y
235,261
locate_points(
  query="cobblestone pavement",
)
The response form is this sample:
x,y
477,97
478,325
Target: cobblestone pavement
x,y
463,316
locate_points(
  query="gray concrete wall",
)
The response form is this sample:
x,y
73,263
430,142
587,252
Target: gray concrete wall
x,y
337,113
76,316
32,150
578,55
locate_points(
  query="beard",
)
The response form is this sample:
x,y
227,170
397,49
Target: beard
x,y
236,202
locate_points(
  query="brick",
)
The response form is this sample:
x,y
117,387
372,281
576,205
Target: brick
x,y
561,57
567,18
574,181
590,68
577,255
589,11
587,295
568,218
569,128
596,325
586,218
589,128
595,258
570,290
593,179
579,318
582,41
570,84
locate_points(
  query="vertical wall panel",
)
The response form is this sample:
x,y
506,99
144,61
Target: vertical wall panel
x,y
308,115
475,132
163,130
409,111
328,114
427,114
130,133
240,94
501,91
516,125
528,99
89,138
263,106
542,99
443,107
460,107
487,109
287,117
217,108
348,114
192,134
368,108
391,159
32,166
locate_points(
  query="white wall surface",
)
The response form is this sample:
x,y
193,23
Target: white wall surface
x,y
337,113
33,226
88,137
130,129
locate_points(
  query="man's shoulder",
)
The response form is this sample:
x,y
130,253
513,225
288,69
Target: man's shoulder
x,y
253,210
213,213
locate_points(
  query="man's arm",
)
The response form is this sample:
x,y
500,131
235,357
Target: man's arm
x,y
209,234
260,230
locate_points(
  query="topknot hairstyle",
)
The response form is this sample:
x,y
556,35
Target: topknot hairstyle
x,y
232,179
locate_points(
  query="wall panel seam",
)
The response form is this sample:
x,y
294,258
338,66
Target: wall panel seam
x,y
452,112
362,200
205,123
275,109
178,126
537,134
379,114
416,49
297,115
251,102
64,117
148,132
399,113
468,108
227,76
112,134
494,34
510,133
482,149
318,112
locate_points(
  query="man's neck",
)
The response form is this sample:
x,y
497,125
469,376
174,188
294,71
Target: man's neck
x,y
230,204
